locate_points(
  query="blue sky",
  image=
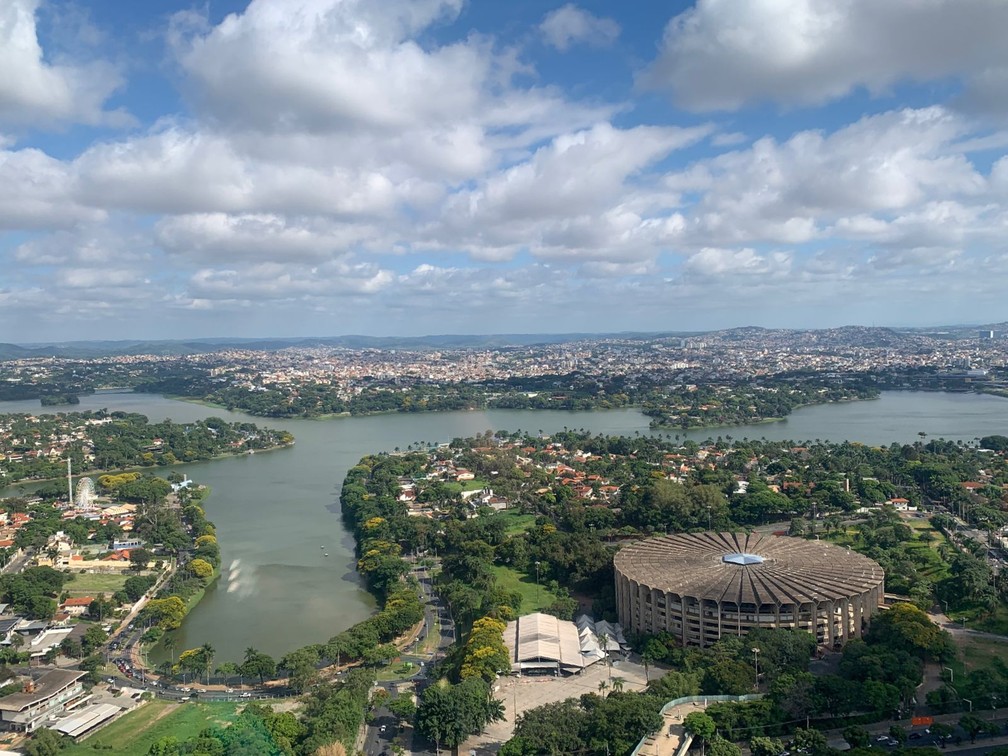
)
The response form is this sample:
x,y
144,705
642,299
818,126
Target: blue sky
x,y
322,167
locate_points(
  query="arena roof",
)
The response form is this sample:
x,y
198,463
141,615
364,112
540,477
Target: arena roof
x,y
751,568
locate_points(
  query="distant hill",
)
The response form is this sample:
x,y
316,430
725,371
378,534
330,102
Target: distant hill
x,y
864,335
87,349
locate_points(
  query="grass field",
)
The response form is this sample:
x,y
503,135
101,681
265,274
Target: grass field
x,y
515,522
513,580
92,585
468,485
134,733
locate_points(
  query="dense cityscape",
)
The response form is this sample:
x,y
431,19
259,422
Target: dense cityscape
x,y
544,378
469,546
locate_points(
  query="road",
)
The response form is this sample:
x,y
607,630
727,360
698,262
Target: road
x,y
383,728
17,563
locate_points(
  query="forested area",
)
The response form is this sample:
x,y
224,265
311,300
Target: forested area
x,y
37,446
680,405
672,486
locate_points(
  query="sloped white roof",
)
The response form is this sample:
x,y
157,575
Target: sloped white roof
x,y
612,630
541,637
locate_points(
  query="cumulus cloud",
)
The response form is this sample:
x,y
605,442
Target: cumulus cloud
x,y
265,236
38,191
561,198
721,55
571,25
36,91
347,158
269,281
789,192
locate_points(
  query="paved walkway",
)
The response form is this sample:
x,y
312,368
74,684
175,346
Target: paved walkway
x,y
670,735
520,694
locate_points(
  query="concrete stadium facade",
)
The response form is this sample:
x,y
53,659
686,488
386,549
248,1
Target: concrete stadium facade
x,y
701,586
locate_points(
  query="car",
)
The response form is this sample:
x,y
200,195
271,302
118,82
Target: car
x,y
382,728
246,694
915,735
882,739
229,690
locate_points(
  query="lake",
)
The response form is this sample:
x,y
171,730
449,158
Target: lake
x,y
277,513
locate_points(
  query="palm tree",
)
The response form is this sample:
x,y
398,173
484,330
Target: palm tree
x,y
207,653
602,687
171,643
618,684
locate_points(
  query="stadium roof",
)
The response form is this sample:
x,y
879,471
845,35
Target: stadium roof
x,y
751,568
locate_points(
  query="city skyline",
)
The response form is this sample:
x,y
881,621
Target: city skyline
x,y
408,168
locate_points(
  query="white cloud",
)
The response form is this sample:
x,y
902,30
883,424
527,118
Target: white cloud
x,y
714,262
272,281
572,25
265,236
790,192
721,55
38,191
563,199
38,91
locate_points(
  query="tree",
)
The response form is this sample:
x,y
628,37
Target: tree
x,y
811,741
763,746
941,730
857,736
167,612
139,559
404,707
447,714
200,568
721,747
700,725
71,648
226,670
94,637
207,655
550,728
897,733
973,725
44,742
300,666
257,664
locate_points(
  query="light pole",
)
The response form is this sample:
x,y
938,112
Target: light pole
x,y
755,656
970,704
951,675
537,584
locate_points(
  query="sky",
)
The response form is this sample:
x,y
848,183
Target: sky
x,y
411,167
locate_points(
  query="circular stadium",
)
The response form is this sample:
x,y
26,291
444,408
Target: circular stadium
x,y
701,586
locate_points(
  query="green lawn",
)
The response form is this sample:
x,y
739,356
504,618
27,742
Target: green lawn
x,y
515,522
92,585
469,485
134,733
513,580
979,619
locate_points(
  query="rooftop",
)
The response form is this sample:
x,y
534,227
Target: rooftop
x,y
51,683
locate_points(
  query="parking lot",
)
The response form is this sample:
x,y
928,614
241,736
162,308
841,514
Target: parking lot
x,y
529,692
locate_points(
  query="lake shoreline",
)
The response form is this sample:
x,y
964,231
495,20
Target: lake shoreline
x,y
274,511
